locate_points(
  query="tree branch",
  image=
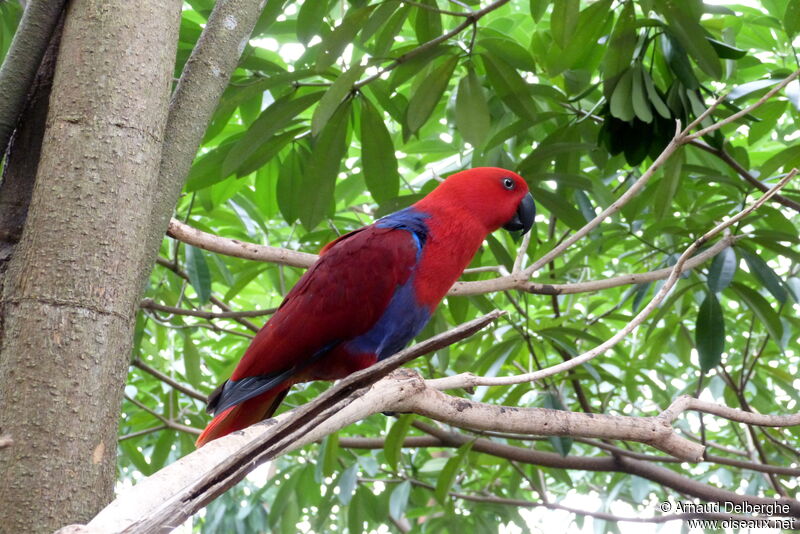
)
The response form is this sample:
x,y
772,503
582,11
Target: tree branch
x,y
739,114
621,464
741,171
175,492
463,413
180,489
520,503
168,422
203,80
685,402
167,380
150,304
240,249
214,300
22,61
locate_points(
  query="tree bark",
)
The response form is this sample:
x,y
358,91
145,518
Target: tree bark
x,y
19,68
71,288
22,159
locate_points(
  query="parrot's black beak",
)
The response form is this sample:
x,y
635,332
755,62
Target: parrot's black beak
x,y
523,218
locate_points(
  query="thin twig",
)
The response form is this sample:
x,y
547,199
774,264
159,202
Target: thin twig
x,y
686,402
471,19
170,381
169,422
153,305
739,114
744,173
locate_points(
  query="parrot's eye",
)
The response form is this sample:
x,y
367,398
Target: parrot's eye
x,y
508,183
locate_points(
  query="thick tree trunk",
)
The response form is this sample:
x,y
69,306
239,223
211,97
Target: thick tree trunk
x,y
71,287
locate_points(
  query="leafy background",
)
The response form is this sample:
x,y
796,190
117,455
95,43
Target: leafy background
x,y
341,112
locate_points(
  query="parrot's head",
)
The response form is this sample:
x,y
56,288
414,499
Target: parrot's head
x,y
496,197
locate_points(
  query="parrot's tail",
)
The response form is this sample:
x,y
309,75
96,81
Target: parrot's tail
x,y
242,415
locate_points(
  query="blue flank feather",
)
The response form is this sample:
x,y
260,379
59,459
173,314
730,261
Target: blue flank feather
x,y
404,317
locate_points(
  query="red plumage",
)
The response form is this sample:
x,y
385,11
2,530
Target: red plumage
x,y
351,304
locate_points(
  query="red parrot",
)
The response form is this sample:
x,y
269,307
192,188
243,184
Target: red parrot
x,y
369,293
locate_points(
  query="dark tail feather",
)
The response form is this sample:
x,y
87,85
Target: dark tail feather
x,y
242,415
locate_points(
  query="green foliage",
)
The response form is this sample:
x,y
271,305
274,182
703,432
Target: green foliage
x,y
341,112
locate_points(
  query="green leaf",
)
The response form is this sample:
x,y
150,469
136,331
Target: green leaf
x,y
132,453
271,120
538,7
508,50
330,455
758,305
427,22
385,38
769,113
377,155
500,253
654,96
199,275
641,106
639,295
269,13
559,206
722,269
747,88
191,360
451,469
207,169
563,20
585,206
561,444
791,18
472,112
510,87
619,51
162,449
679,63
398,502
289,190
268,150
685,26
428,94
347,484
668,186
394,440
726,51
357,511
251,108
335,42
622,101
764,274
333,97
310,19
319,179
710,333
282,503
592,25
786,159
377,20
